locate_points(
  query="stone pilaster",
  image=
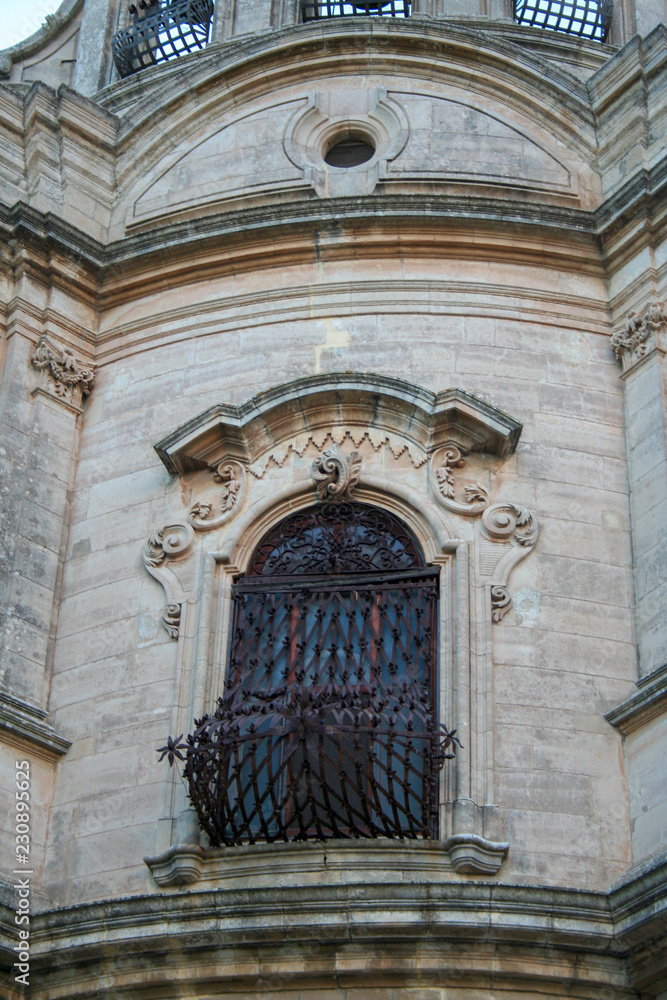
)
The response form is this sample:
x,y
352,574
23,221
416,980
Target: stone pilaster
x,y
39,435
94,62
640,347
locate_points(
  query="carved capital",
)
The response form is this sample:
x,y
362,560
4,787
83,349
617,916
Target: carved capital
x,y
61,375
167,543
336,474
639,334
232,477
443,463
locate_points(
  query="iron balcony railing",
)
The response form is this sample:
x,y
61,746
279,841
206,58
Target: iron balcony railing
x,y
583,18
314,10
161,31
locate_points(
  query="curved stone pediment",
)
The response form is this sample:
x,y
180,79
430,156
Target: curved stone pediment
x,y
424,421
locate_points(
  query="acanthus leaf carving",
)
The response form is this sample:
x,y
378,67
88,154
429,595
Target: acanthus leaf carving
x,y
443,463
501,601
231,476
516,528
335,474
171,619
638,334
62,375
168,542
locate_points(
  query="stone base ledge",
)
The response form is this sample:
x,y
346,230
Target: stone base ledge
x,y
335,862
649,702
26,722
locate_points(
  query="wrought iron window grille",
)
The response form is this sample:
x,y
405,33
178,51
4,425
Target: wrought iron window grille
x,y
161,31
583,18
314,10
327,726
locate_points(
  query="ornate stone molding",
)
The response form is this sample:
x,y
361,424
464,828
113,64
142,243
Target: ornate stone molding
x,y
388,410
167,543
232,477
356,436
515,529
639,334
336,474
647,704
61,375
443,463
373,115
26,722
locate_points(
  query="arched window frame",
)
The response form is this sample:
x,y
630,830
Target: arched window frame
x,y
474,544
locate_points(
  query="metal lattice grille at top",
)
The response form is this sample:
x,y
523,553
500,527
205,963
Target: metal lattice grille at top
x,y
166,29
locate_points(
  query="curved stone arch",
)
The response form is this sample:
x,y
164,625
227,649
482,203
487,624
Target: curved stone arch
x,y
514,79
432,528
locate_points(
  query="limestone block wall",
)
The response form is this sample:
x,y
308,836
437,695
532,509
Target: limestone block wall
x,y
178,244
562,657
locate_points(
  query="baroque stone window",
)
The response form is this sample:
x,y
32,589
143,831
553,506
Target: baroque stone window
x,y
327,727
328,550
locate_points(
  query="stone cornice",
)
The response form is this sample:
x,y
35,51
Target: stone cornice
x,y
649,702
254,233
26,723
625,924
428,420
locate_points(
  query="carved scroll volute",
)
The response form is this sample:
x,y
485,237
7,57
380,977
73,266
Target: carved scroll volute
x,y
168,543
443,463
335,474
516,527
231,476
639,334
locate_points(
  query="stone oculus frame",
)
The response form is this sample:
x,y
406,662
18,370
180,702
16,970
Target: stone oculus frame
x,y
253,463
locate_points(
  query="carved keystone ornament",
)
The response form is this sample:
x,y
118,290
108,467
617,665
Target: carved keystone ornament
x,y
336,474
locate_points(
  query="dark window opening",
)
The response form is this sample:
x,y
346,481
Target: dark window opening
x,y
328,726
162,30
313,10
584,18
349,152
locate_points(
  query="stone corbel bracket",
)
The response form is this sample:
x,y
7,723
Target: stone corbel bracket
x,y
515,529
232,478
61,375
322,405
640,334
443,463
163,545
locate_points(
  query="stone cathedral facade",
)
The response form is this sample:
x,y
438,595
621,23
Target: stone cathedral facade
x,y
333,455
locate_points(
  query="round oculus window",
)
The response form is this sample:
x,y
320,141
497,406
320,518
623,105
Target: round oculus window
x,y
349,152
